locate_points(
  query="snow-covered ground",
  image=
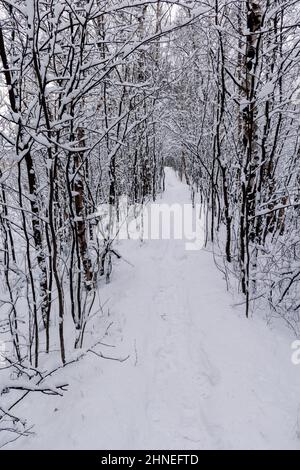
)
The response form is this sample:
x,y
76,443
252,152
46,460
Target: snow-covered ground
x,y
199,376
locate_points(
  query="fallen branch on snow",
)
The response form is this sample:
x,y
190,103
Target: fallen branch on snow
x,y
25,387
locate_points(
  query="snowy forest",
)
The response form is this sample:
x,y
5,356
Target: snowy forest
x,y
106,101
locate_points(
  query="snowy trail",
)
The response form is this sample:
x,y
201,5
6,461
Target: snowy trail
x,y
199,376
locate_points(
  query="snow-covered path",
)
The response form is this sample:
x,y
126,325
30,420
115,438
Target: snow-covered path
x,y
199,374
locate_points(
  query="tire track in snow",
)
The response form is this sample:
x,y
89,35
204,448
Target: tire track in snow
x,y
183,377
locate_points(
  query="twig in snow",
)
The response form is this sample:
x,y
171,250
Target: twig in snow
x,y
136,354
25,433
14,418
118,359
